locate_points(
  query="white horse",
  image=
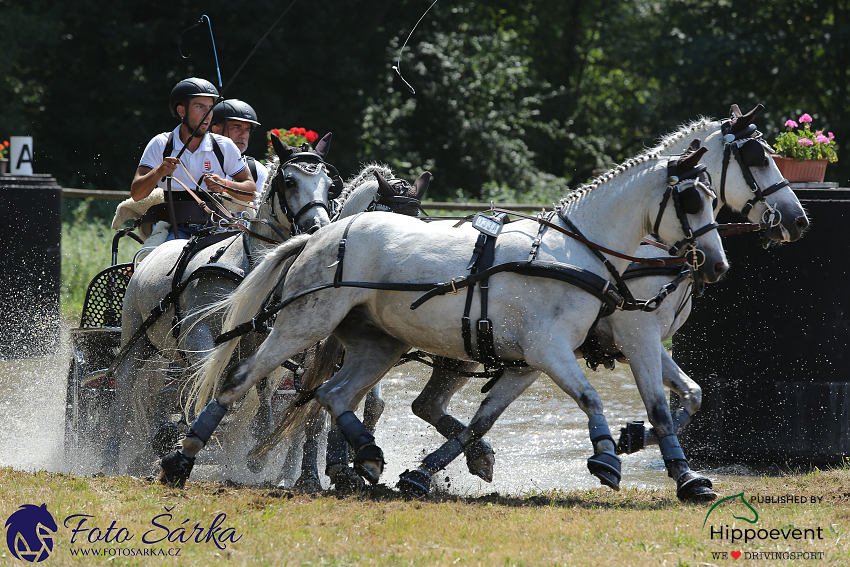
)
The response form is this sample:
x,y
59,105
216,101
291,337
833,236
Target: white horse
x,y
538,320
630,335
295,199
752,183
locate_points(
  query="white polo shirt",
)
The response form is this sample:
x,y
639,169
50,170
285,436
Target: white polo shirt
x,y
201,161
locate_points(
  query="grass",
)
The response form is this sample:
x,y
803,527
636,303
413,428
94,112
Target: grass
x,y
86,250
275,527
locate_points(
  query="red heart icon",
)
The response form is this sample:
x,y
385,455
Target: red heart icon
x,y
735,554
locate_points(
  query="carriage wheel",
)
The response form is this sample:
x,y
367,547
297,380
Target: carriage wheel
x,y
86,407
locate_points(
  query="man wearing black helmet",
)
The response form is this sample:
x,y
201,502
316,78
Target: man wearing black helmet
x,y
210,159
236,119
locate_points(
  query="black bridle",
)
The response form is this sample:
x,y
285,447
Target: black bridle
x,y
750,150
311,164
683,189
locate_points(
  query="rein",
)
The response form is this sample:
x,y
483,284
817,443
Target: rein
x,y
586,242
227,220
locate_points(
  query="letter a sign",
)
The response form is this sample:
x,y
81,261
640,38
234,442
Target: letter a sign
x,y
20,155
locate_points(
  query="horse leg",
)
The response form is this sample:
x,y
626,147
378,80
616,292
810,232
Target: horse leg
x,y
416,483
177,465
565,371
309,481
690,396
373,408
368,357
431,404
646,366
343,477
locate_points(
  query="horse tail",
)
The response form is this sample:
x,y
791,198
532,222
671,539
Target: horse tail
x,y
242,305
295,420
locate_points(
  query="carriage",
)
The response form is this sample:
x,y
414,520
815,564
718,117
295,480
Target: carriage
x,y
94,345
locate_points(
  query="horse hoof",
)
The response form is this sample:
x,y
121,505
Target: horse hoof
x,y
346,481
605,467
308,483
631,438
480,459
369,463
415,484
693,487
165,438
176,468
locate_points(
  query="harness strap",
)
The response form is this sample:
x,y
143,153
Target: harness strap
x,y
164,304
667,193
486,348
465,324
627,294
252,167
584,279
341,257
580,238
535,246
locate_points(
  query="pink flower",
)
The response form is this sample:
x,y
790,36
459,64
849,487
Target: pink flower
x,y
790,124
831,137
806,119
805,142
821,139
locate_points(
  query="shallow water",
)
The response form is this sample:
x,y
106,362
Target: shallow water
x,y
541,441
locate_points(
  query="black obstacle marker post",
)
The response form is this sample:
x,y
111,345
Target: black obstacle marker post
x,y
30,261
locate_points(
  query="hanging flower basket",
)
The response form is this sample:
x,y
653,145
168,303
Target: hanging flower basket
x,y
807,171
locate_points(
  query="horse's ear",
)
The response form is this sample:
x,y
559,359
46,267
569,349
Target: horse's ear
x,y
323,146
283,151
384,189
421,185
735,111
689,160
694,145
745,120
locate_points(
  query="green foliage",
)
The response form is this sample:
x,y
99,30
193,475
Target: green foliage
x,y
86,250
514,99
476,103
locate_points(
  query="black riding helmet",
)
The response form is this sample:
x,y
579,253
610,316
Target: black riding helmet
x,y
190,88
234,109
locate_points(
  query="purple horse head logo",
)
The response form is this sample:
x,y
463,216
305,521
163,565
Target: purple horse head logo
x,y
29,533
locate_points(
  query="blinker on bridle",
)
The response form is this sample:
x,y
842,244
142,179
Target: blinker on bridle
x,y
750,150
683,189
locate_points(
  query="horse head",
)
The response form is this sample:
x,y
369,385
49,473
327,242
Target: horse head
x,y
750,182
305,184
398,196
690,196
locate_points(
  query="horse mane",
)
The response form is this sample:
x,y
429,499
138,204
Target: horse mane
x,y
367,173
648,154
273,164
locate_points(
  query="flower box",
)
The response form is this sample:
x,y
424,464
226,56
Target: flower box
x,y
808,171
